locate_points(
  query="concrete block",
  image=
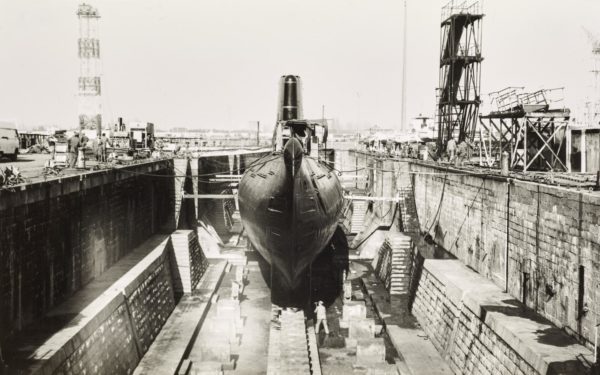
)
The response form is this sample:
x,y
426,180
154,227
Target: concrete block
x,y
383,369
206,368
221,327
354,310
350,343
215,350
240,274
369,351
361,328
226,305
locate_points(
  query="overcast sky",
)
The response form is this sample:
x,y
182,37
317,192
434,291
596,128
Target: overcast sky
x,y
216,63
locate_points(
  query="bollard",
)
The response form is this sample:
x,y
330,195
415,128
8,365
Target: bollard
x,y
504,163
80,159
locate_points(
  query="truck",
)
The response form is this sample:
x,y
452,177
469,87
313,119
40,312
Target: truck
x,y
141,135
9,140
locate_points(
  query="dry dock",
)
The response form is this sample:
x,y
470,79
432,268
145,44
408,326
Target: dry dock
x,y
118,271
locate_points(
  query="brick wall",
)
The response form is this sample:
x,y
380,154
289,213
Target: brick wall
x,y
552,235
198,260
151,301
113,332
382,264
474,329
112,344
189,262
383,179
58,235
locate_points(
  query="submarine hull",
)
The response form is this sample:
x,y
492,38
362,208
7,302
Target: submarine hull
x,y
289,216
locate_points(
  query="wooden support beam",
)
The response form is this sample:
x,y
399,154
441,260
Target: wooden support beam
x,y
367,198
209,196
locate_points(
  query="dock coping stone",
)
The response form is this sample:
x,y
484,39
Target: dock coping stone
x,y
522,329
52,187
174,342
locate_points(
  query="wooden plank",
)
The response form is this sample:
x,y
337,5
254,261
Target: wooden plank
x,y
209,196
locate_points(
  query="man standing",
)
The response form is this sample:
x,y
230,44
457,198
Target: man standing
x,y
321,317
462,152
73,145
347,288
451,149
104,143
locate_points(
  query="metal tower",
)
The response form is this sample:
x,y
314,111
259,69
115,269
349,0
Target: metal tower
x,y
90,105
460,75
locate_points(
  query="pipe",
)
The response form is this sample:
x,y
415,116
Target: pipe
x,y
596,340
507,235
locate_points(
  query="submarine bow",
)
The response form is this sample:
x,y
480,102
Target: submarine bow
x,y
290,204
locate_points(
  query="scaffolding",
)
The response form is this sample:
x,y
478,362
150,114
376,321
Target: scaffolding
x,y
525,127
89,97
458,96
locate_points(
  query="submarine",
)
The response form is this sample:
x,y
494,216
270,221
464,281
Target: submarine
x,y
289,200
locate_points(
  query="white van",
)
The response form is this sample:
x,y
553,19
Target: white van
x,y
9,143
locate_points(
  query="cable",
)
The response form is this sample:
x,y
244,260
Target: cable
x,y
255,163
467,215
439,206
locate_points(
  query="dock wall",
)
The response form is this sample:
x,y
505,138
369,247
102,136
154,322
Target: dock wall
x,y
112,332
232,163
478,329
58,235
540,243
123,322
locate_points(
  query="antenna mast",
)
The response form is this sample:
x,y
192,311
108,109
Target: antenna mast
x,y
403,110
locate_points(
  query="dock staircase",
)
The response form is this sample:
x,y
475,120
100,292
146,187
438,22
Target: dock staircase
x,y
290,345
356,344
401,246
359,211
408,210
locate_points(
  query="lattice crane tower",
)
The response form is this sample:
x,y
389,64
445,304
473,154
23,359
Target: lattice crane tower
x,y
460,72
89,104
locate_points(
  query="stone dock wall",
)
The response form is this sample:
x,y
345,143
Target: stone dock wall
x,y
58,235
125,321
114,331
478,329
223,163
540,243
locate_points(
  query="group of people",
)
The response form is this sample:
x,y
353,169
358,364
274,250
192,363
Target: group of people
x,y
460,152
99,146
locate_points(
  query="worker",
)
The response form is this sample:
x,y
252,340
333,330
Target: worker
x,y
103,145
83,140
451,149
321,317
462,152
347,288
96,148
73,148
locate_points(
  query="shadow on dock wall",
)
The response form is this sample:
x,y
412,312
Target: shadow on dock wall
x,y
57,236
187,211
547,234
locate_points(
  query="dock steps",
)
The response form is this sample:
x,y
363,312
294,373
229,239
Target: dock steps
x,y
292,348
358,216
